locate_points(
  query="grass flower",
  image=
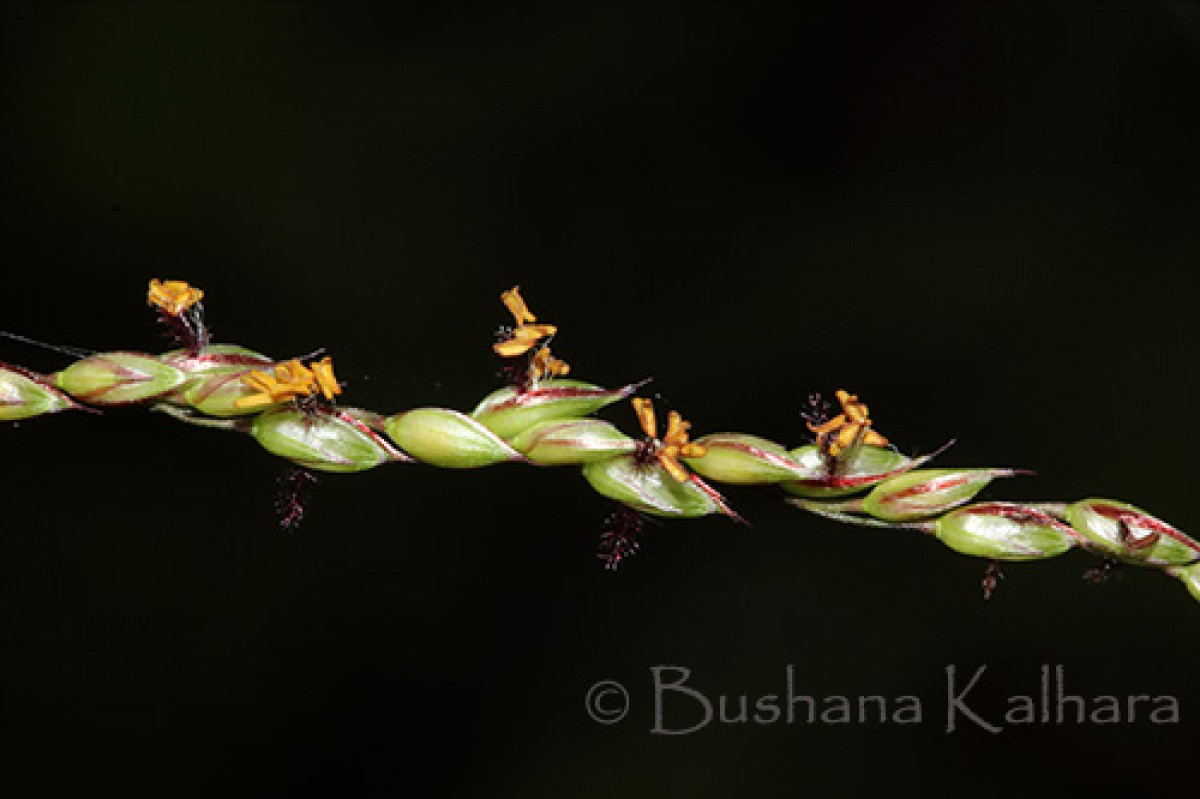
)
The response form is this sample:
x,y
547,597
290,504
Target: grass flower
x,y
179,311
173,296
526,334
850,427
290,380
673,445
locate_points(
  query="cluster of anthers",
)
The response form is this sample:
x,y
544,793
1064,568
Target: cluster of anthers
x,y
179,310
527,338
290,380
848,429
674,444
173,296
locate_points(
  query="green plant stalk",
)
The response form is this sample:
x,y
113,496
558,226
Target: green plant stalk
x,y
548,423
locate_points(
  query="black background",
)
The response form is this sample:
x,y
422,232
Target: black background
x,y
981,218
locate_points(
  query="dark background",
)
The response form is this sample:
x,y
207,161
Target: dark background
x,y
981,218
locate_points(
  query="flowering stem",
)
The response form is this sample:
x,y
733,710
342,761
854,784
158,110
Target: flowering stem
x,y
850,472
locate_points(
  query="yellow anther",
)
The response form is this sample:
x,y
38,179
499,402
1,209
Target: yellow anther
x,y
673,467
263,381
855,411
545,365
525,335
294,375
836,423
271,389
844,438
676,429
522,339
516,305
173,296
874,439
644,408
322,372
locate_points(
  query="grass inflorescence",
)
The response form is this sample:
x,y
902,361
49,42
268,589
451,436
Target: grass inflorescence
x,y
849,471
